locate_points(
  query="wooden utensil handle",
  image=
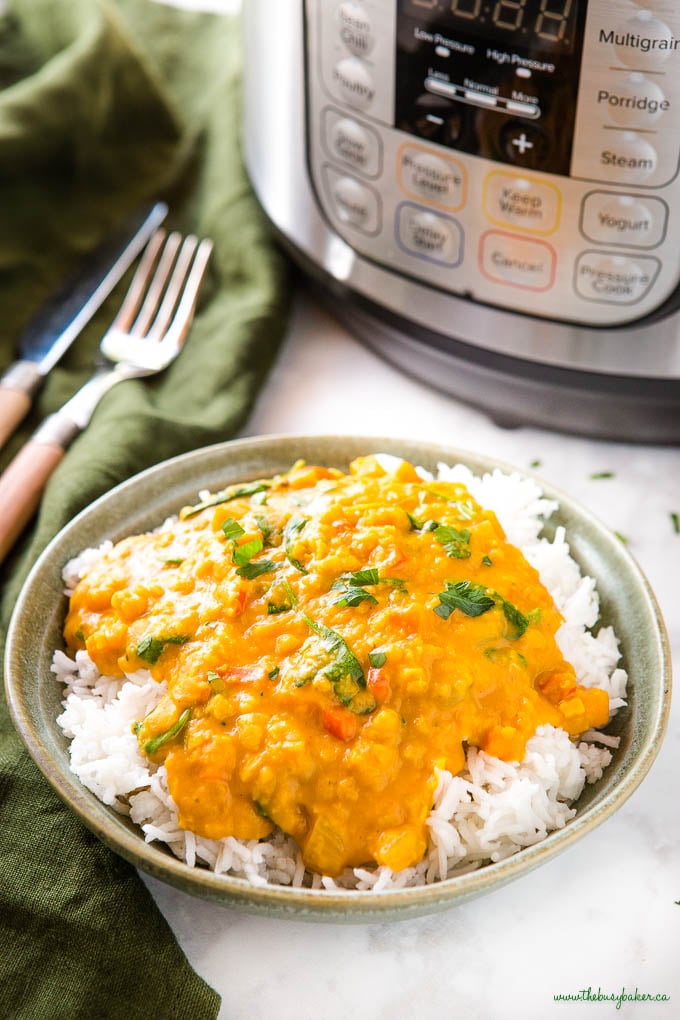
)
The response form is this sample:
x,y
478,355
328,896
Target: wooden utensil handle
x,y
14,405
21,487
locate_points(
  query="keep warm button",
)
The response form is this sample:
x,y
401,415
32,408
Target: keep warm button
x,y
516,261
614,279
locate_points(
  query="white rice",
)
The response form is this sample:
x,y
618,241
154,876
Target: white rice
x,y
489,811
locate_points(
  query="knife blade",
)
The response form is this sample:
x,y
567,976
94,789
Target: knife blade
x,y
59,321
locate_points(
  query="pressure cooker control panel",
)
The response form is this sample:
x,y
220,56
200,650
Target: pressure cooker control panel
x,y
524,153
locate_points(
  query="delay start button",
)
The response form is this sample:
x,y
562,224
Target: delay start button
x,y
614,279
429,235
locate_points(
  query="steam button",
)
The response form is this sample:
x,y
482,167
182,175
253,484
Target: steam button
x,y
628,159
356,28
354,82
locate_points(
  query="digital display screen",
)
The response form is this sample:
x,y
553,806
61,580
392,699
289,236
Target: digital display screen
x,y
541,24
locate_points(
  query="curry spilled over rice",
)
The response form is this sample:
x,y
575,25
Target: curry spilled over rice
x,y
328,642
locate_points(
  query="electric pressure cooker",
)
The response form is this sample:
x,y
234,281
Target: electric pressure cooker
x,y
487,191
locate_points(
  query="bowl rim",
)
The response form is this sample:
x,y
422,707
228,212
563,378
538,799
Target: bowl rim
x,y
304,903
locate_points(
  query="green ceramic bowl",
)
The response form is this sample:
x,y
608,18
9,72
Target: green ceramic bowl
x,y
143,502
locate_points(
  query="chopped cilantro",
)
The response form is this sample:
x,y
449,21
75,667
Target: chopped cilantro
x,y
535,463
243,554
675,521
273,673
602,474
150,648
343,669
290,535
252,570
151,746
79,634
467,596
274,608
225,496
377,659
455,544
487,561
266,527
232,529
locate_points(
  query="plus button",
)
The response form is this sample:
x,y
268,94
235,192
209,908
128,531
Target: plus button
x,y
522,143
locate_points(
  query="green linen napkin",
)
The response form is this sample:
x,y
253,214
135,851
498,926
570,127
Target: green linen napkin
x,y
104,106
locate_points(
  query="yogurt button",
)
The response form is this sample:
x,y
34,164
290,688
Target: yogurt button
x,y
630,220
356,28
355,82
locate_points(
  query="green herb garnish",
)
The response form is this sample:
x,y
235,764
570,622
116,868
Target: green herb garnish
x,y
253,570
172,561
274,608
79,634
352,586
290,535
150,648
467,596
226,496
243,554
455,544
232,529
266,527
602,474
487,561
343,669
675,521
273,673
377,659
151,746
261,811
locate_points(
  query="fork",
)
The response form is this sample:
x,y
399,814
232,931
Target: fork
x,y
146,335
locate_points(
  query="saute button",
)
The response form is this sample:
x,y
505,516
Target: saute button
x,y
434,177
353,201
614,279
636,221
353,143
355,82
429,235
505,258
356,29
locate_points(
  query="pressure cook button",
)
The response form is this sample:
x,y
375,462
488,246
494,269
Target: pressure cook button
x,y
356,28
634,221
353,143
428,235
522,202
628,159
355,82
506,258
354,203
614,279
435,178
642,42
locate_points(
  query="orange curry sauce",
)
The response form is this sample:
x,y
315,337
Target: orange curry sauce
x,y
328,640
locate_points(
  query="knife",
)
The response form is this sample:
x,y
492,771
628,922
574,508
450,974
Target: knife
x,y
59,321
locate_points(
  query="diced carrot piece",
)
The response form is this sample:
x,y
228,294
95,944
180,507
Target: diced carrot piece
x,y
340,723
378,684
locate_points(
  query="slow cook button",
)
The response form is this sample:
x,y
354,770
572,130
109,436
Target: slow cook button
x,y
614,279
355,83
424,173
634,221
429,235
353,201
522,202
516,261
356,29
353,143
628,159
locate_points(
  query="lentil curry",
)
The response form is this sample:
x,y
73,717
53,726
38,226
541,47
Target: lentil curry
x,y
328,640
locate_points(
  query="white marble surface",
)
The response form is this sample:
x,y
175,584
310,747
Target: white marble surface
x,y
603,914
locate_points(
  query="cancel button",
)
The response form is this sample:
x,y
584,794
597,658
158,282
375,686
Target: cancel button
x,y
516,261
614,279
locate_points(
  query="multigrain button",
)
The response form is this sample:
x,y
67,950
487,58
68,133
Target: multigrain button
x,y
355,144
634,102
614,279
628,158
354,82
516,261
642,42
633,221
522,202
435,178
353,202
429,235
356,28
